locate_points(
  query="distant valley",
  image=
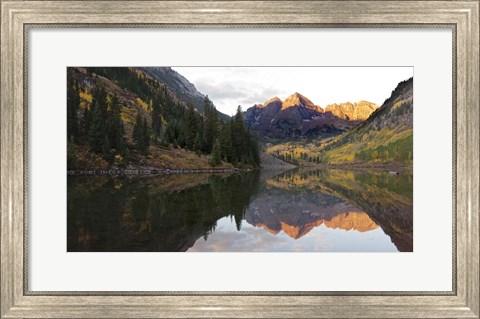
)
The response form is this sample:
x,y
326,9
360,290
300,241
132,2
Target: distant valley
x,y
362,133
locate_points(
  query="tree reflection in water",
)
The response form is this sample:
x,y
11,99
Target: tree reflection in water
x,y
182,212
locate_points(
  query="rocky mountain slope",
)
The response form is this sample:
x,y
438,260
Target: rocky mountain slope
x,y
297,116
352,111
386,136
180,86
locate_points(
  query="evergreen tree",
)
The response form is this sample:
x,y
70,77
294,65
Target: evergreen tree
x,y
211,124
86,120
106,149
156,118
169,133
197,147
145,135
239,137
97,129
99,98
137,133
216,156
116,129
191,128
73,104
226,143
254,151
141,134
71,154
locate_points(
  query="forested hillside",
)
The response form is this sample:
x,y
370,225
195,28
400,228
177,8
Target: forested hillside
x,y
179,85
120,117
386,136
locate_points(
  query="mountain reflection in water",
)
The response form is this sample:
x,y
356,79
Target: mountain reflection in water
x,y
309,211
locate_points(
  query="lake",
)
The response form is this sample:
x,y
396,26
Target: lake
x,y
316,210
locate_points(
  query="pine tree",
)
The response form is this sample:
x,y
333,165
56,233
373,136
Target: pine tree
x,y
226,143
71,154
73,104
138,131
197,147
156,118
215,157
97,129
211,124
169,133
86,120
99,98
141,134
239,137
145,136
254,151
191,128
116,129
106,149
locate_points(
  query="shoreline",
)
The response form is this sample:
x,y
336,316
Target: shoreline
x,y
374,166
152,171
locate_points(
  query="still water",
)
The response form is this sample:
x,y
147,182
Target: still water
x,y
262,211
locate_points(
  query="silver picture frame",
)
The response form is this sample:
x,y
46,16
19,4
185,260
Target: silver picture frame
x,y
17,17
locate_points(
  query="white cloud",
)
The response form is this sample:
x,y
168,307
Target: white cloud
x,y
229,87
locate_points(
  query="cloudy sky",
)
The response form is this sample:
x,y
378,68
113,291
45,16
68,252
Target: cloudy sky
x,y
229,87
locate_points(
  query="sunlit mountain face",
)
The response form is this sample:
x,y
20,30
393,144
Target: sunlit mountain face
x,y
297,116
280,209
318,210
296,202
357,221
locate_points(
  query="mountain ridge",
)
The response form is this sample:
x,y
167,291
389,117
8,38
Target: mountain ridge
x,y
299,100
181,86
297,116
358,111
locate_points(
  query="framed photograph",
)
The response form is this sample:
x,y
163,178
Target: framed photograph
x,y
234,159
